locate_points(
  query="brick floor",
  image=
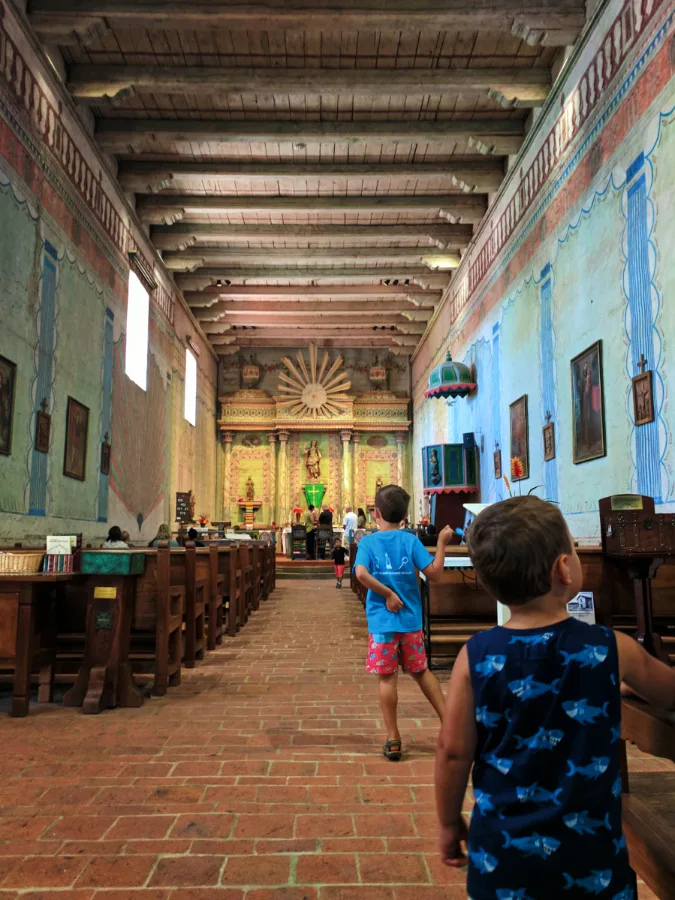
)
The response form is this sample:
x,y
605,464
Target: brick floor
x,y
259,778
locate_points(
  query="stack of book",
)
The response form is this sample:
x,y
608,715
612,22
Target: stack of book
x,y
58,562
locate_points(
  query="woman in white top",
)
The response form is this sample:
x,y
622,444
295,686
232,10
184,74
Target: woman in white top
x,y
115,541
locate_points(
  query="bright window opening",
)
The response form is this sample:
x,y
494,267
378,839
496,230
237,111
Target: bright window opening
x,y
190,388
138,311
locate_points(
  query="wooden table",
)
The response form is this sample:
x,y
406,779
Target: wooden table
x,y
28,633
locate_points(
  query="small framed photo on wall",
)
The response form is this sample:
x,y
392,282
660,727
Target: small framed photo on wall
x,y
643,395
548,434
7,387
77,424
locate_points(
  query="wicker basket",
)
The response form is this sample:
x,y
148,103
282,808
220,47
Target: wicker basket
x,y
20,563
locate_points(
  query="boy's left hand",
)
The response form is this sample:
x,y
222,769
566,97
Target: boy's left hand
x,y
451,840
446,535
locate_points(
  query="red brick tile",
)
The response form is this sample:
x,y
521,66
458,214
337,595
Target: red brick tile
x,y
157,848
288,893
442,874
60,895
402,869
45,872
346,795
71,827
252,871
197,769
276,794
187,871
365,892
23,829
353,845
384,825
205,893
388,796
225,796
215,825
222,848
423,892
68,796
91,848
141,827
278,826
30,848
132,894
287,845
324,826
121,871
326,869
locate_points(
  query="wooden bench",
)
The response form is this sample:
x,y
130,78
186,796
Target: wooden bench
x,y
246,582
216,601
197,588
649,798
229,566
157,620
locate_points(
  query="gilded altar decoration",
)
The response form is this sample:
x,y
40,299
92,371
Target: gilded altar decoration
x,y
313,390
312,456
379,484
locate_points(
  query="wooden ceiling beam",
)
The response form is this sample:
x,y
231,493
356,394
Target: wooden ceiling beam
x,y
209,276
469,208
500,136
195,257
340,293
527,86
182,236
141,177
228,311
336,341
52,18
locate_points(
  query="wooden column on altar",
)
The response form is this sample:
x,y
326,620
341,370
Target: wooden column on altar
x,y
400,440
346,486
227,476
274,515
356,439
283,480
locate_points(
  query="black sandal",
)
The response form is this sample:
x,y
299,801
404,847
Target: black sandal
x,y
392,750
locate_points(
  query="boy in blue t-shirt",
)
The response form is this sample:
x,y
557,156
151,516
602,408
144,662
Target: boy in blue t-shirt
x,y
534,707
386,563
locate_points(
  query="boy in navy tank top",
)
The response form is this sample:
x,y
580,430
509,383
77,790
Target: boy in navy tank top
x,y
535,707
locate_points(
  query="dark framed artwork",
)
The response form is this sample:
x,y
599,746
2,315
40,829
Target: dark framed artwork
x,y
105,458
498,464
77,425
548,433
7,388
643,398
520,439
588,405
43,428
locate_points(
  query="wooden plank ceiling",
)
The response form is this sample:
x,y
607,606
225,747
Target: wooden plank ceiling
x,y
310,169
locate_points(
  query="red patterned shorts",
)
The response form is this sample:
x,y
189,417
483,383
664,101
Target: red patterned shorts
x,y
387,651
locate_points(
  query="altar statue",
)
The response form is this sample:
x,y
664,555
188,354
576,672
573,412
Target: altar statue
x,y
379,484
250,489
313,460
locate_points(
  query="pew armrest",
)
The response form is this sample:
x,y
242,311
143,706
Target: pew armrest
x,y
651,730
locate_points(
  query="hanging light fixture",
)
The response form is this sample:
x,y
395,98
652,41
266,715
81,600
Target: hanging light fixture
x,y
450,379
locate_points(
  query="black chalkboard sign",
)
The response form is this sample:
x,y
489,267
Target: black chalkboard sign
x,y
183,506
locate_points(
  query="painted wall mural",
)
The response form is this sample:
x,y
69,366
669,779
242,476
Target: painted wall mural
x,y
593,274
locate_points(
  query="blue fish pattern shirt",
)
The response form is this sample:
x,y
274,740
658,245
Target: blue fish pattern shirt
x,y
546,779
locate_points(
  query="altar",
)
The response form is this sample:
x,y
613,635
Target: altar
x,y
307,437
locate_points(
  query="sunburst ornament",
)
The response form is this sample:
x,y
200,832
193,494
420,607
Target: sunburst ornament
x,y
314,390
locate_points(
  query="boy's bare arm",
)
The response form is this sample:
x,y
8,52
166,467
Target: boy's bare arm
x,y
454,758
434,571
653,680
393,601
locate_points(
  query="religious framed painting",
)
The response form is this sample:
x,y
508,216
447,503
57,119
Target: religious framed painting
x,y
520,439
498,463
7,387
588,405
643,398
77,424
548,434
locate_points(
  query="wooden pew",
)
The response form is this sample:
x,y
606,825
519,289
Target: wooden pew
x,y
216,601
246,582
197,589
649,798
157,619
256,552
229,566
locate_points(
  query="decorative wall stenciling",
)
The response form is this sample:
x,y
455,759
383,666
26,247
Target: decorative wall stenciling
x,y
548,383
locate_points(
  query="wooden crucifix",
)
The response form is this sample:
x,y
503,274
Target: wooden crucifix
x,y
548,434
643,394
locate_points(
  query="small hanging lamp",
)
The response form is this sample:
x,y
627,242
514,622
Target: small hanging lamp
x,y
450,379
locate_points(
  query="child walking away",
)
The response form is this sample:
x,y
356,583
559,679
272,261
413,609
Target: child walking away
x,y
535,707
339,555
385,564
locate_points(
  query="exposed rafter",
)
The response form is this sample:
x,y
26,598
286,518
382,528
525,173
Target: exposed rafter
x,y
499,136
553,21
184,235
209,276
92,82
192,258
481,175
456,207
342,293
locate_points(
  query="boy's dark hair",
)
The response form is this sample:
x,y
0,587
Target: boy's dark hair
x,y
193,533
513,545
338,540
392,502
115,533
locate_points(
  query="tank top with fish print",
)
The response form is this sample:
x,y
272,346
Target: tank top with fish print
x,y
547,818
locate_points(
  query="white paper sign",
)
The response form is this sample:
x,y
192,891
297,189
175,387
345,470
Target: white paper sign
x,y
58,544
582,607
